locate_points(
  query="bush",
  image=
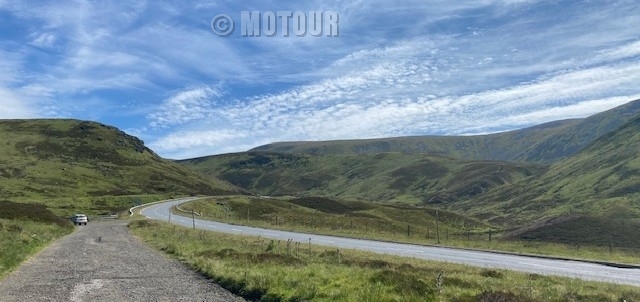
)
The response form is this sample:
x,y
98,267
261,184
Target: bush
x,y
492,274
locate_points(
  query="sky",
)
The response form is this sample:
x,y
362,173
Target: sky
x,y
157,69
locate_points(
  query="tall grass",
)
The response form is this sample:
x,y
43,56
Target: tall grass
x,y
20,239
268,270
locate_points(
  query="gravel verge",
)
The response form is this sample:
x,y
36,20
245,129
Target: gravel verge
x,y
104,262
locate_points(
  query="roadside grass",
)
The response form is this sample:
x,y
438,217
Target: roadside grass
x,y
268,270
388,222
25,229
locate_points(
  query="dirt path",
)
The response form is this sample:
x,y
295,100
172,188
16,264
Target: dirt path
x,y
103,262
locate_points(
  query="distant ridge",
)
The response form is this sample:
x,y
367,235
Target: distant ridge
x,y
546,143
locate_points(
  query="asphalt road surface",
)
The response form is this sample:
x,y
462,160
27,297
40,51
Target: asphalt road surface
x,y
574,269
103,262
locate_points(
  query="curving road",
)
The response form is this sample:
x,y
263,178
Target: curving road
x,y
565,268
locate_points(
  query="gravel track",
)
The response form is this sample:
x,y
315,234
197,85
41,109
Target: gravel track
x,y
104,262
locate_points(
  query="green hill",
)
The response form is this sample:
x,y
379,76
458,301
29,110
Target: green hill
x,y
381,177
594,195
50,169
545,143
42,160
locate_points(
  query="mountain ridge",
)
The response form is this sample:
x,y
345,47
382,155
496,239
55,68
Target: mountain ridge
x,y
545,143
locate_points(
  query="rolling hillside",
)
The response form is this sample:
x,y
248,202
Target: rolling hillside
x,y
381,177
594,195
591,197
545,143
41,160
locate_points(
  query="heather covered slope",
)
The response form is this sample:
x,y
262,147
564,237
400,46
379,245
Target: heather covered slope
x,y
594,195
412,178
43,159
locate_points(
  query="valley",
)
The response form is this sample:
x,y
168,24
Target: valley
x,y
573,192
588,198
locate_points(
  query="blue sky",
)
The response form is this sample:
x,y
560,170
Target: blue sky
x,y
156,69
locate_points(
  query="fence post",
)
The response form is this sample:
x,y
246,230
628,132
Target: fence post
x,y
437,228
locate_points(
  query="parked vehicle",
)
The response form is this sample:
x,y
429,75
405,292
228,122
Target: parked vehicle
x,y
79,219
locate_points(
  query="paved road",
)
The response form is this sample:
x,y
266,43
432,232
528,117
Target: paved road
x,y
582,270
103,262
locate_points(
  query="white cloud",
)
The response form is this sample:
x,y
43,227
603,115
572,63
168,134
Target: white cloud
x,y
186,106
13,107
14,104
626,51
43,40
577,110
384,94
191,144
407,68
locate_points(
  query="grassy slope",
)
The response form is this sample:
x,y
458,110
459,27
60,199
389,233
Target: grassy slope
x,y
594,195
380,177
24,230
325,215
46,160
544,143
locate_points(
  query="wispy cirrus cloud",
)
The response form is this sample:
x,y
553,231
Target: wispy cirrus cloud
x,y
385,92
411,67
188,105
75,52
